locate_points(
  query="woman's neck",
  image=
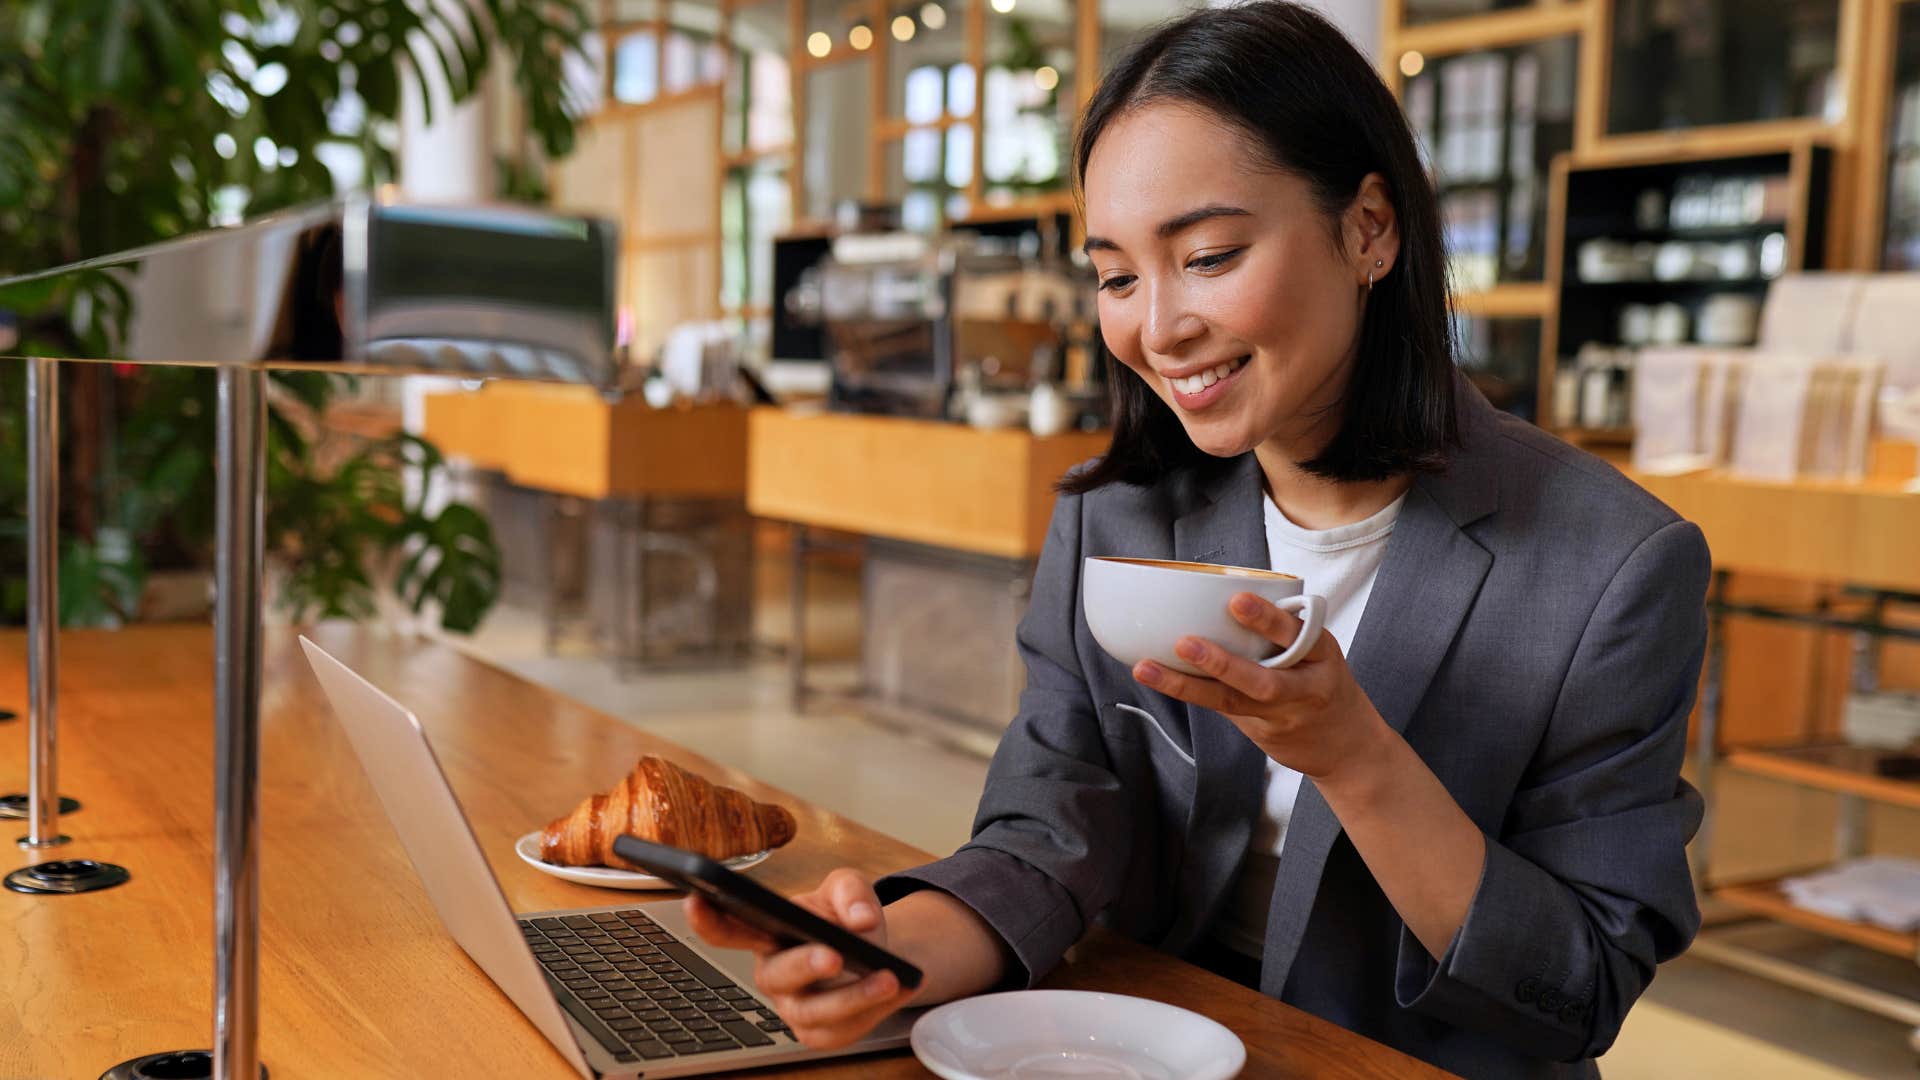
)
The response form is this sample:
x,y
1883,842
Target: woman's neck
x,y
1317,503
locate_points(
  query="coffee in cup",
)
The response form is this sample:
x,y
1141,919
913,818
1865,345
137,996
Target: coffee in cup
x,y
1138,609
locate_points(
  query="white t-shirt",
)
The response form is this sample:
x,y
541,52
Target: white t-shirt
x,y
1339,564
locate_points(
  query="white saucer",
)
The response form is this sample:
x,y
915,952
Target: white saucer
x,y
528,848
1073,1035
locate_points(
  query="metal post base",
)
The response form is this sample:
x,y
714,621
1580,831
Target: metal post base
x,y
20,806
28,843
67,876
172,1065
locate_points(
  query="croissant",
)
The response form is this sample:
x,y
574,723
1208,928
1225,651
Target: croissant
x,y
664,803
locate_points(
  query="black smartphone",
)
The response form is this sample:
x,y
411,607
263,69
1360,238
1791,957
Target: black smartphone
x,y
761,908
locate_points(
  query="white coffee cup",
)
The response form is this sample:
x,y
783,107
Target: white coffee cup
x,y
1138,609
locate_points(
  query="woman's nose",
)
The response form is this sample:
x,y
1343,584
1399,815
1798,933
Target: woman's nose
x,y
1169,324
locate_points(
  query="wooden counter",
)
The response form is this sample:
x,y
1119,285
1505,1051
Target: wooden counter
x,y
358,978
948,485
1865,533
572,441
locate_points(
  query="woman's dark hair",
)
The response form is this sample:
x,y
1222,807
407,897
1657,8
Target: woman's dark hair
x,y
1315,109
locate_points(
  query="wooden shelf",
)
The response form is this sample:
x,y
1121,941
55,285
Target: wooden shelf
x,y
1765,898
571,441
1859,532
1473,32
923,481
1701,143
1704,233
1040,205
1848,770
1513,301
750,156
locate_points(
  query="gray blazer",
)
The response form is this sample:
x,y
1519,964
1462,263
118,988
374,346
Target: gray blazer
x,y
1535,632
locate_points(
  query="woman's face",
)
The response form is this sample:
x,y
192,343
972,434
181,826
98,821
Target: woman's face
x,y
1222,284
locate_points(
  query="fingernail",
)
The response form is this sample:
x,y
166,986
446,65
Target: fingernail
x,y
862,912
1245,605
1147,672
822,961
1189,649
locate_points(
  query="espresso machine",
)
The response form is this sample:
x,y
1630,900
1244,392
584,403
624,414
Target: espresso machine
x,y
904,318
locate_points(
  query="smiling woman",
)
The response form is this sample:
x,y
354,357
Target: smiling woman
x,y
1457,823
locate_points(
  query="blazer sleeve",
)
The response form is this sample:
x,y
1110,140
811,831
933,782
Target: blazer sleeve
x,y
1588,887
1049,843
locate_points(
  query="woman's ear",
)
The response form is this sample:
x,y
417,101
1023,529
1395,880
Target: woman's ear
x,y
1373,230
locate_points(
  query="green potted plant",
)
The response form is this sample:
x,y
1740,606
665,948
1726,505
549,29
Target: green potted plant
x,y
130,121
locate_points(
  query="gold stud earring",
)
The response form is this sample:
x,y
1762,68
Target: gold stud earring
x,y
1377,264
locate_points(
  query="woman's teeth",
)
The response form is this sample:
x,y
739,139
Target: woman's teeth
x,y
1193,384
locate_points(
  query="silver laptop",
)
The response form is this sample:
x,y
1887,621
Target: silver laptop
x,y
622,991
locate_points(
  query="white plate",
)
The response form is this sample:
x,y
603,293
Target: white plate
x,y
1073,1035
528,848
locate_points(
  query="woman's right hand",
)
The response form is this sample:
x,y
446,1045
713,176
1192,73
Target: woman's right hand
x,y
826,1007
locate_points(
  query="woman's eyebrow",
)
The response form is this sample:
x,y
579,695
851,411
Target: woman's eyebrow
x,y
1173,226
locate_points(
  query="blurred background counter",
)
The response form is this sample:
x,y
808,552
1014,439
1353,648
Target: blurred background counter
x,y
614,516
949,521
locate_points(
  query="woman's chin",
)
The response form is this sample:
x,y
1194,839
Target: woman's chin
x,y
1216,441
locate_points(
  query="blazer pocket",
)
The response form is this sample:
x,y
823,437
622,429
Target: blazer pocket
x,y
1158,730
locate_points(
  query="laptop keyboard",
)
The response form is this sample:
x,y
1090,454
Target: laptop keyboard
x,y
641,992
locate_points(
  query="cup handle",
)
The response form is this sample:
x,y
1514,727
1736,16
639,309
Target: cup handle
x,y
1314,619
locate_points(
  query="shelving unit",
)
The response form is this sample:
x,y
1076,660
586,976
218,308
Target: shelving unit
x,y
1598,203
1851,772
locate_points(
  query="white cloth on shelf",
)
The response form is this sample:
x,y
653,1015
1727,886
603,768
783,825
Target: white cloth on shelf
x,y
1880,889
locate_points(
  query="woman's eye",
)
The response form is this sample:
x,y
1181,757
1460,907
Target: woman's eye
x,y
1116,283
1214,261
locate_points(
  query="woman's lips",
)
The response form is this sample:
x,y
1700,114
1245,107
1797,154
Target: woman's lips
x,y
1201,400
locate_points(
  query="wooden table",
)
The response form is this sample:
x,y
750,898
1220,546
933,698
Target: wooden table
x,y
357,977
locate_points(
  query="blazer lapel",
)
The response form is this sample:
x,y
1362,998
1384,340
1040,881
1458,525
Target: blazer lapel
x,y
1228,528
1426,585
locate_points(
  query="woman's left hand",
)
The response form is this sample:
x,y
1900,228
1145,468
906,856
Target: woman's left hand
x,y
1312,717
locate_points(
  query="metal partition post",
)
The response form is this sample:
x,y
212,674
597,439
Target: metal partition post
x,y
43,608
240,509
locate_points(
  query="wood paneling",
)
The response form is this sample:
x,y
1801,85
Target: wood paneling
x,y
923,481
357,976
